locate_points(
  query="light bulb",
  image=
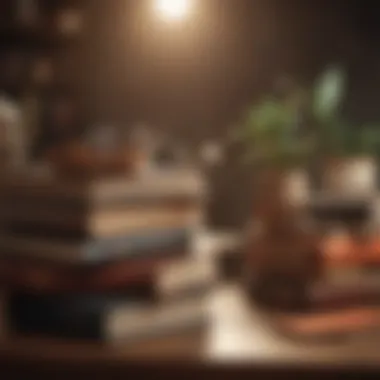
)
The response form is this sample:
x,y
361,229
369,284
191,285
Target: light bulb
x,y
173,9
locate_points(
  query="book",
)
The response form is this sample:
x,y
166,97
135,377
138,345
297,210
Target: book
x,y
166,184
329,325
84,207
342,288
186,277
172,276
47,278
108,319
330,208
130,325
66,315
43,221
144,244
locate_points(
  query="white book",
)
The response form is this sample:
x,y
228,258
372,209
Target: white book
x,y
130,325
186,277
166,183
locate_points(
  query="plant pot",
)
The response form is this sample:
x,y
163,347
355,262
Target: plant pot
x,y
351,176
282,257
287,187
280,292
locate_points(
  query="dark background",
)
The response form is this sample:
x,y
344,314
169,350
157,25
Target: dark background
x,y
196,78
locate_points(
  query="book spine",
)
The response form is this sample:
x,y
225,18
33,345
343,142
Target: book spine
x,y
138,245
167,320
85,207
126,276
35,315
60,225
102,194
99,318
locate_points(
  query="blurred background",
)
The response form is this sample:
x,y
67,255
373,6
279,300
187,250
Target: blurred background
x,y
129,109
124,63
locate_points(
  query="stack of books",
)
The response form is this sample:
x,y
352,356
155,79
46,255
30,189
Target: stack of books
x,y
103,259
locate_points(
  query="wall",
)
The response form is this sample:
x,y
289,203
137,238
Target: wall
x,y
195,86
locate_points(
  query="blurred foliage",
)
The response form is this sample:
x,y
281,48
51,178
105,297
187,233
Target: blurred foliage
x,y
335,135
270,133
328,95
273,130
369,140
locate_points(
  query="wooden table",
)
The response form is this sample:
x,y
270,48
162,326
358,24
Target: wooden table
x,y
238,335
240,341
242,333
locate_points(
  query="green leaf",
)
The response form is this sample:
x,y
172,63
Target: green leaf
x,y
269,132
328,94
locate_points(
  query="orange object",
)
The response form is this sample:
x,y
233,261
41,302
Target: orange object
x,y
343,251
342,321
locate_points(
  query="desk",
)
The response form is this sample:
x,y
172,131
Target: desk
x,y
239,334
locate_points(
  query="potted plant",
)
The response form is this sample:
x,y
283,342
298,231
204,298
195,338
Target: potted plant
x,y
281,256
276,145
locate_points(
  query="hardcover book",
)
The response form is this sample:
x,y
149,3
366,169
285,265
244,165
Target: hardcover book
x,y
169,183
144,244
38,220
108,319
46,278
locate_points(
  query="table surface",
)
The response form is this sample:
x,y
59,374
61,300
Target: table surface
x,y
238,333
206,247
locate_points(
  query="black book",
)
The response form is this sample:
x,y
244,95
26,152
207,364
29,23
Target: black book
x,y
102,318
79,316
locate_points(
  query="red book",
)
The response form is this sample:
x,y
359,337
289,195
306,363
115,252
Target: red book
x,y
48,278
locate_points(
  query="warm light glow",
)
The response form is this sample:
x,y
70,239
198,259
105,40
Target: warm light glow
x,y
173,9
